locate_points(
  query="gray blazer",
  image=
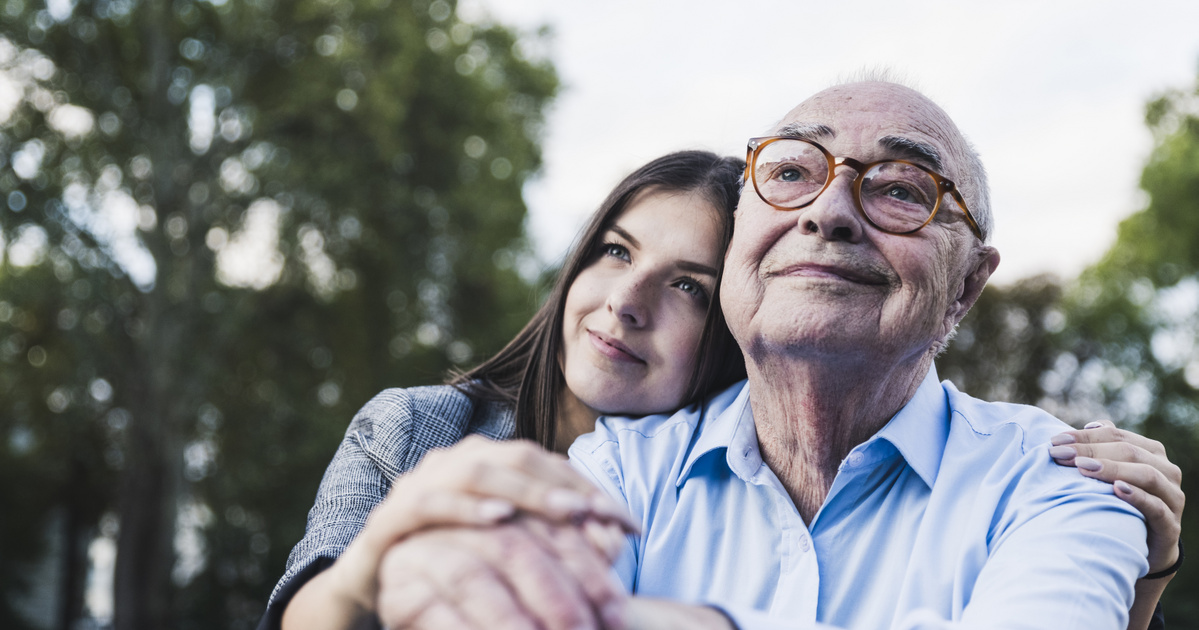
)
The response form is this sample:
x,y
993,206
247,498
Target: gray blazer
x,y
387,438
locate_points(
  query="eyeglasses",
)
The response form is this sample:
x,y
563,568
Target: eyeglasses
x,y
895,196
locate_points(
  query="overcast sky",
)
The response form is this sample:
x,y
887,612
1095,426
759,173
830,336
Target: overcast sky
x,y
1051,93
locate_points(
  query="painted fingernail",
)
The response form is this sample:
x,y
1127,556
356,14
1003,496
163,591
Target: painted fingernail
x,y
1086,463
565,501
1092,425
1062,438
1123,487
1062,452
495,509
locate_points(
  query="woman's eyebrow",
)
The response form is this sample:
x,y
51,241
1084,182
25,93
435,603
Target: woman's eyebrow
x,y
625,235
694,267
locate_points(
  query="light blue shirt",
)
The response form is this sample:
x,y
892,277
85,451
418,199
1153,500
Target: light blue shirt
x,y
952,516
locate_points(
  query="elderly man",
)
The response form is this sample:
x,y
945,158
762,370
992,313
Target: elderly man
x,y
843,484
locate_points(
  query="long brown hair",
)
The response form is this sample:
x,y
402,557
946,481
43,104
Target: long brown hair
x,y
526,373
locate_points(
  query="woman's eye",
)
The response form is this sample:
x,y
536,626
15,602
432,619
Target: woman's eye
x,y
691,287
616,251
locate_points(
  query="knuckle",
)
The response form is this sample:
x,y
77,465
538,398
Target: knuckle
x,y
566,612
476,473
1127,452
1173,473
522,452
434,503
510,543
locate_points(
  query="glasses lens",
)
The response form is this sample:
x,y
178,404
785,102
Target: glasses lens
x,y
898,197
790,173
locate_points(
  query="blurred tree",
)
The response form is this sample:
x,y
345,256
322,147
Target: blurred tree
x,y
227,226
1123,340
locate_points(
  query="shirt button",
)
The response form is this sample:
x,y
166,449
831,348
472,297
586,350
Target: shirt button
x,y
855,458
804,544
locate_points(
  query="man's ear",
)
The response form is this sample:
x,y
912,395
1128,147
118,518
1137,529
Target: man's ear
x,y
985,261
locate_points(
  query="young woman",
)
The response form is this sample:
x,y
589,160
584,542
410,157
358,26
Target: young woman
x,y
632,327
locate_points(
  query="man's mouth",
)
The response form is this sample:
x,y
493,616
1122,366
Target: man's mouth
x,y
855,274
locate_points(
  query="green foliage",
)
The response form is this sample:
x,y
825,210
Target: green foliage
x,y
279,208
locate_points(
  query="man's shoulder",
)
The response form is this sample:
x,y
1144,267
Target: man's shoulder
x,y
1005,446
1023,426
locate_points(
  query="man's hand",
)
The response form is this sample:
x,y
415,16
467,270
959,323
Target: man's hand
x,y
524,575
660,614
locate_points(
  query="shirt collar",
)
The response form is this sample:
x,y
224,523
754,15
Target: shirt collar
x,y
920,429
918,432
725,426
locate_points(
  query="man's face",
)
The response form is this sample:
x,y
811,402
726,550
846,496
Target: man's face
x,y
820,280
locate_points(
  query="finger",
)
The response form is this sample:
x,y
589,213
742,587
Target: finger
x,y
1164,528
488,602
431,507
1120,452
1105,431
606,537
440,616
400,603
551,471
543,586
433,572
589,567
405,513
533,479
534,495
1145,477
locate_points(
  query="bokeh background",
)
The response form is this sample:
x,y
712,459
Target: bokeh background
x,y
226,224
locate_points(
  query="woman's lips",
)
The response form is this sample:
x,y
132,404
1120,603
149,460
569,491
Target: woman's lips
x,y
613,348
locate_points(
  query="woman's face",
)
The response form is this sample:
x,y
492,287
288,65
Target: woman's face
x,y
634,315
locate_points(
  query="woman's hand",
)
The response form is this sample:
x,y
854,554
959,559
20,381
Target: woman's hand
x,y
481,482
477,482
1142,474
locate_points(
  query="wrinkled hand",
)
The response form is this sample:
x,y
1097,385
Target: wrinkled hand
x,y
1142,474
477,482
660,614
528,574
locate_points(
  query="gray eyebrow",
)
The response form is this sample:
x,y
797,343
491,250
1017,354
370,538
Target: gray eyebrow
x,y
806,131
913,150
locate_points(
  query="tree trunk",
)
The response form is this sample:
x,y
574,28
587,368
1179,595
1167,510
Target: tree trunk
x,y
142,585
76,526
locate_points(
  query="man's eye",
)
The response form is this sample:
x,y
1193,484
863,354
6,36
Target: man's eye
x,y
790,175
899,193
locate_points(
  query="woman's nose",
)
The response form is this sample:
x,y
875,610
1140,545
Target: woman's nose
x,y
629,301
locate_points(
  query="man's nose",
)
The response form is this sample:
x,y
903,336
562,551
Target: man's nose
x,y
629,301
834,215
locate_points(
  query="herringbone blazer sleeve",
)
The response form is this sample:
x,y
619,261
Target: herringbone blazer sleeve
x,y
386,438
